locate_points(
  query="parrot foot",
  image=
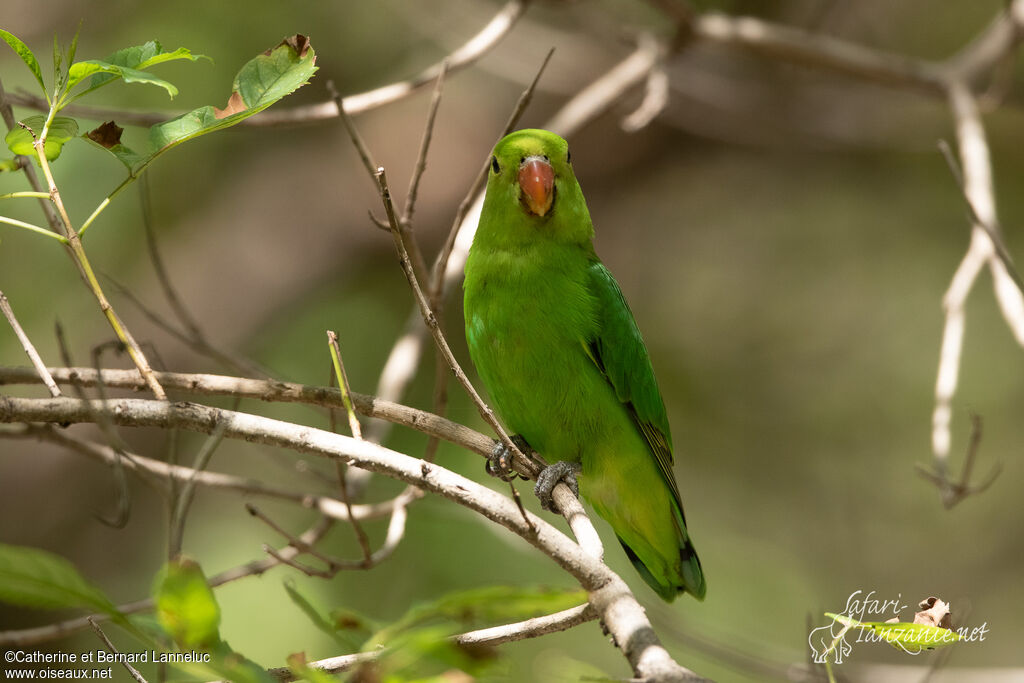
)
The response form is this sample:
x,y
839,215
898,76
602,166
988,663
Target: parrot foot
x,y
499,464
551,476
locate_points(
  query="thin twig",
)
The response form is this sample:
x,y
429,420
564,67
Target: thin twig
x,y
952,492
107,428
201,346
994,231
421,158
475,190
346,390
193,335
431,321
113,650
333,565
120,447
370,165
26,343
187,492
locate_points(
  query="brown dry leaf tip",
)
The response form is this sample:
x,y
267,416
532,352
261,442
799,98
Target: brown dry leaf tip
x,y
298,42
934,612
108,134
235,105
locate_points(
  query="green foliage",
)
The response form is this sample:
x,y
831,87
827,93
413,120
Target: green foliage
x,y
188,612
19,140
185,605
36,578
345,629
260,83
132,60
417,645
27,56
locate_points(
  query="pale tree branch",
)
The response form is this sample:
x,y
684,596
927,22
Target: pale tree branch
x,y
496,635
985,249
26,343
266,390
133,462
610,596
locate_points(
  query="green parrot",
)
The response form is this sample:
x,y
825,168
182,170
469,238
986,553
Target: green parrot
x,y
556,346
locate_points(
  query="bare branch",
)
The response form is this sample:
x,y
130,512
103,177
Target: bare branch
x,y
496,635
609,594
421,158
983,249
113,650
952,492
325,505
655,96
26,343
187,492
267,390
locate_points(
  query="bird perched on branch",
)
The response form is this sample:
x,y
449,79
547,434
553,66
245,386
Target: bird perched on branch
x,y
557,348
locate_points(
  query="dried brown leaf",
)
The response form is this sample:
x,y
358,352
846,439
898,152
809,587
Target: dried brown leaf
x,y
107,135
934,612
235,105
298,42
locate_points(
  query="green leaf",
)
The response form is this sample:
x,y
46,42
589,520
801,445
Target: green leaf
x,y
314,615
141,57
62,128
260,83
911,638
8,165
27,56
36,578
79,71
185,605
74,42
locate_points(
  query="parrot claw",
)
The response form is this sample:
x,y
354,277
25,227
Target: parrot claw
x,y
499,464
551,476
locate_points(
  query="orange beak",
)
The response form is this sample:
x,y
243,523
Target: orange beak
x,y
537,182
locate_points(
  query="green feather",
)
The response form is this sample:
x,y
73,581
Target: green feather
x,y
558,350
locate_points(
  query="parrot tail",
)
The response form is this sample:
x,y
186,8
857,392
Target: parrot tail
x,y
689,580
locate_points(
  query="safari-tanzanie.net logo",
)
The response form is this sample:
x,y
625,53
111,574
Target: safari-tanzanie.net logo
x,y
868,618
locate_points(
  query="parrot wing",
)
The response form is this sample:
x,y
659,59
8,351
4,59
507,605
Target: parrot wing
x,y
619,352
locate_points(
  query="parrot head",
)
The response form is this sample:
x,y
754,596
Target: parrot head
x,y
531,183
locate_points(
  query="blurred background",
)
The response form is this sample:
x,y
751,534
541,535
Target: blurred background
x,y
784,237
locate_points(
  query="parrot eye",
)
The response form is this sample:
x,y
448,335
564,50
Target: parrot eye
x,y
568,157
494,165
